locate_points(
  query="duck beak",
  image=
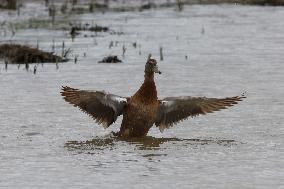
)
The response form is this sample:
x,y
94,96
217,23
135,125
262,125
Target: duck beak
x,y
156,70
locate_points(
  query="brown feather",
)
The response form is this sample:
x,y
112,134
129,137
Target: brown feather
x,y
175,109
92,103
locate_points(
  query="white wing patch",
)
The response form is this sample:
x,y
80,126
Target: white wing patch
x,y
118,99
167,103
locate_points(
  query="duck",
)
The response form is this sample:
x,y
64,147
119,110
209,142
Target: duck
x,y
143,109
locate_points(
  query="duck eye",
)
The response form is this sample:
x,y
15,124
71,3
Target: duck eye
x,y
152,62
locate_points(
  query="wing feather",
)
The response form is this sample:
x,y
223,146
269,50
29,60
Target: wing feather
x,y
174,109
103,107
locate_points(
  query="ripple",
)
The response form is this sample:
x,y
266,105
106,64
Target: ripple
x,y
32,133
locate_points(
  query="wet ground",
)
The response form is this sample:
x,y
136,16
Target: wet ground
x,y
212,51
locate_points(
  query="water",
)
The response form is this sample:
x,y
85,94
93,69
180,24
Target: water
x,y
46,143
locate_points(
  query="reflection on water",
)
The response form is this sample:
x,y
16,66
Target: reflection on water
x,y
141,143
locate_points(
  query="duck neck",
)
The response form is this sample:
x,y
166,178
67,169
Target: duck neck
x,y
148,76
148,91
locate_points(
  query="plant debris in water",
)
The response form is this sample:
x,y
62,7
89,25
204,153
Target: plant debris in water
x,y
97,28
86,27
110,59
75,29
21,54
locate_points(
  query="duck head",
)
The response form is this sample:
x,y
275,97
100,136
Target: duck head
x,y
152,67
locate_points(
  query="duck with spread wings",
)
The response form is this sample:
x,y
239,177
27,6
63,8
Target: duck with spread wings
x,y
143,110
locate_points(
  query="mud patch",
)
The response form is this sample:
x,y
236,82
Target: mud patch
x,y
21,54
110,59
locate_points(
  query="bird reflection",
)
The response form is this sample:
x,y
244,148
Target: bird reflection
x,y
140,143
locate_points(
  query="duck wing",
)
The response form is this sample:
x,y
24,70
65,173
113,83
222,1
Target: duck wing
x,y
103,107
174,109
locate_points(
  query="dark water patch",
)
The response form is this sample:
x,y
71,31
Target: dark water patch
x,y
32,133
222,142
154,155
94,144
141,143
146,143
131,160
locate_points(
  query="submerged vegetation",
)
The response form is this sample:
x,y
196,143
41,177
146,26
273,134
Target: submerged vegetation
x,y
75,29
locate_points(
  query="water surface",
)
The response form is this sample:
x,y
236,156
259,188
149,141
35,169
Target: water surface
x,y
46,143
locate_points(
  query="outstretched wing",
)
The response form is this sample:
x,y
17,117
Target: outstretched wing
x,y
103,107
175,109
